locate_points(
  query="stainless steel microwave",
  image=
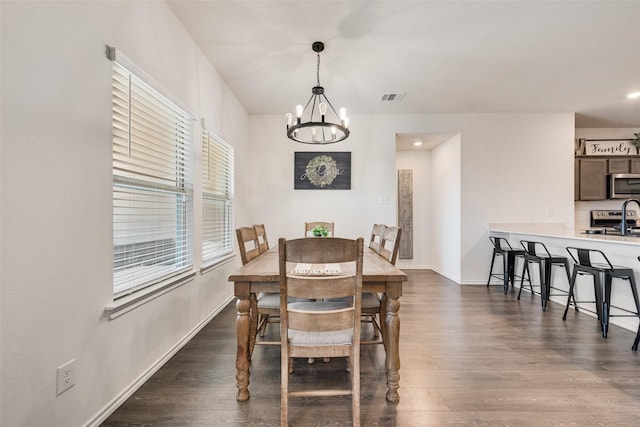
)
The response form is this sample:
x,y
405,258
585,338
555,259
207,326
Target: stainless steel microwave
x,y
623,185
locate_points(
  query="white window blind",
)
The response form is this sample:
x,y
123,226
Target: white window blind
x,y
217,197
152,191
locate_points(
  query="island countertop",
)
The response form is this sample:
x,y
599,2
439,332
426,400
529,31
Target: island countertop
x,y
556,230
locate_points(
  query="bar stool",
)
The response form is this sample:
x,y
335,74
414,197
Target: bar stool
x,y
637,340
537,252
602,269
501,247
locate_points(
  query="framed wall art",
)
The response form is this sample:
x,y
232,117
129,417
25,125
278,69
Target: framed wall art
x,y
322,170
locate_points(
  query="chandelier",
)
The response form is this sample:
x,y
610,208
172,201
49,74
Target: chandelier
x,y
317,128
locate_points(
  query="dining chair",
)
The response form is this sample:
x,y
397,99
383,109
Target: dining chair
x,y
373,304
248,244
268,303
264,305
262,237
376,237
320,328
390,244
309,226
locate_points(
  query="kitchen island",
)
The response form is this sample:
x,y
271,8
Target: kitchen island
x,y
620,250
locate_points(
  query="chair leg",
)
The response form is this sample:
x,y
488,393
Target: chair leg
x,y
512,267
285,370
525,269
572,282
634,290
566,269
547,283
603,296
543,286
263,319
493,259
354,363
505,272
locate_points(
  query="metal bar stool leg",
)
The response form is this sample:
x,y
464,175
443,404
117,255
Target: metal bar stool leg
x,y
493,259
525,269
566,269
602,302
547,283
505,272
634,289
543,285
572,283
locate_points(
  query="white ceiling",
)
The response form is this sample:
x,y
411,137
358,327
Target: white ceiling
x,y
447,56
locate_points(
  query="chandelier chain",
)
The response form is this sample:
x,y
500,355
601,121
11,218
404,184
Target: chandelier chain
x,y
318,69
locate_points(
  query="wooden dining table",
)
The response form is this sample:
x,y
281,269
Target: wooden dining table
x,y
261,275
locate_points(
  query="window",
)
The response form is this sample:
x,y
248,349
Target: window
x,y
152,187
217,198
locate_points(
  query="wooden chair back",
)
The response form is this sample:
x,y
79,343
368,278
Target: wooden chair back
x,y
309,226
376,237
390,244
318,329
262,237
248,244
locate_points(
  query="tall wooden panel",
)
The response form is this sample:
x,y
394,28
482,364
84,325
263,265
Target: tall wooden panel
x,y
405,212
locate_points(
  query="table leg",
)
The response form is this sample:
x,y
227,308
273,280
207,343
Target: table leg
x,y
243,320
391,340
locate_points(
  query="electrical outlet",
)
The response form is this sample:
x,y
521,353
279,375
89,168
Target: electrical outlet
x,y
66,377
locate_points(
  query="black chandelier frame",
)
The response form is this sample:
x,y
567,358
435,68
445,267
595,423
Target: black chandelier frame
x,y
326,132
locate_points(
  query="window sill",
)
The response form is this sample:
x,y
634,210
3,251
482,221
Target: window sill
x,y
217,263
126,304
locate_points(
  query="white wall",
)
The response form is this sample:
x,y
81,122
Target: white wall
x,y
56,225
284,211
513,168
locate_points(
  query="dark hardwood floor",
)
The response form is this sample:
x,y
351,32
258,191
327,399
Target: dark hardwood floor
x,y
470,355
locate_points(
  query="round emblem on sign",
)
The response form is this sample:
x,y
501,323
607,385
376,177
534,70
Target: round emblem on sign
x,y
321,170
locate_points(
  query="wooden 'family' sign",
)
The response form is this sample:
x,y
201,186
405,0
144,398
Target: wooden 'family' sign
x,y
609,147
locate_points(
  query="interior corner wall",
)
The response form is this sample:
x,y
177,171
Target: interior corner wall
x,y
445,202
56,268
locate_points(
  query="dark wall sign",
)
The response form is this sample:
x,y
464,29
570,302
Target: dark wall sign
x,y
322,171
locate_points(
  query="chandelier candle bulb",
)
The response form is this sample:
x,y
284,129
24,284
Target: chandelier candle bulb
x,y
289,118
323,109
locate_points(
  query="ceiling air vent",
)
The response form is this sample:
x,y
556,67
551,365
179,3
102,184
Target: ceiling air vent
x,y
392,97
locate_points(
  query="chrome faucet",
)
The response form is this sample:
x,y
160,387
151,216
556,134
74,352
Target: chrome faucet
x,y
623,224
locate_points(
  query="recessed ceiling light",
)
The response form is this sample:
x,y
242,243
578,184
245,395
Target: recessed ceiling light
x,y
633,95
417,143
